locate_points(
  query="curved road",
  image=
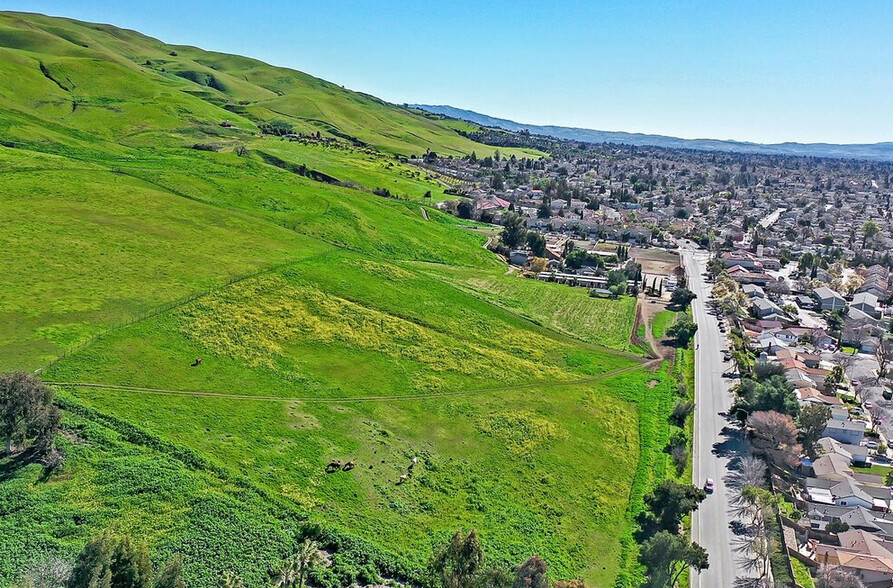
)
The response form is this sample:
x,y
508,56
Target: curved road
x,y
717,442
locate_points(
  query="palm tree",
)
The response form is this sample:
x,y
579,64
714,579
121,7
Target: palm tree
x,y
230,580
288,573
294,569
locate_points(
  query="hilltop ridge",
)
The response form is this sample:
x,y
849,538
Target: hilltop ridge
x,y
872,151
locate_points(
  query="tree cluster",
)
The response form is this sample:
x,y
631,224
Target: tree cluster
x,y
27,413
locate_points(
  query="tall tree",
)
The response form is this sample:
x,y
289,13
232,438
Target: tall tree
x,y
112,562
170,576
812,419
775,435
531,574
230,580
668,504
308,558
458,564
682,297
870,230
666,555
514,232
27,411
537,243
837,577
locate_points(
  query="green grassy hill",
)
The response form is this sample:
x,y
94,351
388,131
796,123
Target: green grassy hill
x,y
332,323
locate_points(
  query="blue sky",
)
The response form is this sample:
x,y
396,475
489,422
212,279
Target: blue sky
x,y
761,71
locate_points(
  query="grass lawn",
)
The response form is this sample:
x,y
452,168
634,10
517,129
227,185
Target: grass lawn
x,y
801,574
661,323
872,469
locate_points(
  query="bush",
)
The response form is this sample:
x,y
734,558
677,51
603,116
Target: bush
x,y
681,410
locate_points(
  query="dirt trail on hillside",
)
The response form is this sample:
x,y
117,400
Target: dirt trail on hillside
x,y
337,399
646,311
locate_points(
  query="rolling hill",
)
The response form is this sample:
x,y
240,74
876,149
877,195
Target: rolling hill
x,y
140,232
870,151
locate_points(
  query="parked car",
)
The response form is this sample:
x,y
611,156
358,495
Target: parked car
x,y
871,444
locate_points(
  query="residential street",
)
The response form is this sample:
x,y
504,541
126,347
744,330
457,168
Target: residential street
x,y
717,441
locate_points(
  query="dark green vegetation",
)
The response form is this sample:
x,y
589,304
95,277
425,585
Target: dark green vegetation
x,y
333,324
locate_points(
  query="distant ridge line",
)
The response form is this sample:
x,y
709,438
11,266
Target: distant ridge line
x,y
880,152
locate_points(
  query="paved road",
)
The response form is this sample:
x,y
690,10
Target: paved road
x,y
717,441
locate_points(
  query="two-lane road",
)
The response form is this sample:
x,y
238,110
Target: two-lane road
x,y
717,442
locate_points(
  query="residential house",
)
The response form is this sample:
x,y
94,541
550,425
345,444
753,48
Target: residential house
x,y
845,431
828,299
867,303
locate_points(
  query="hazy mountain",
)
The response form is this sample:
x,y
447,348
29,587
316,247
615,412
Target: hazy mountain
x,y
875,151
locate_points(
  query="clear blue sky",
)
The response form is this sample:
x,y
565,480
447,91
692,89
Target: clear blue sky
x,y
760,71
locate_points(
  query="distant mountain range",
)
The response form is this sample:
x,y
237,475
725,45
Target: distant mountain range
x,y
873,151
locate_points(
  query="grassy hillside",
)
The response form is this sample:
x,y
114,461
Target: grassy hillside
x,y
333,324
136,90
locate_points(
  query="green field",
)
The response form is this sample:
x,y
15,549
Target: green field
x,y
332,323
661,322
564,309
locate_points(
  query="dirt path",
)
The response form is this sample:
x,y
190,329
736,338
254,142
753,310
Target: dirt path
x,y
647,311
341,399
424,213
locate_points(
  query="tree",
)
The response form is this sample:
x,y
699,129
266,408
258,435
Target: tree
x,y
494,578
870,230
751,471
531,574
286,576
112,562
837,526
497,182
774,393
754,501
27,412
543,210
52,572
170,576
465,209
537,243
834,377
681,298
294,570
666,555
715,266
539,264
775,435
617,278
668,504
457,565
230,580
837,577
884,356
514,232
683,330
812,419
